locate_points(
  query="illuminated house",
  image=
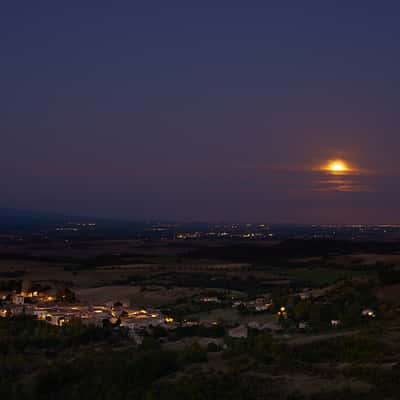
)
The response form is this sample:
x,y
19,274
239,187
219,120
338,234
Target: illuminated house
x,y
262,304
96,315
57,315
141,319
367,312
210,300
18,299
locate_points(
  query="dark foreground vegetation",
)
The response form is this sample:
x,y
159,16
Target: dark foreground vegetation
x,y
39,361
330,330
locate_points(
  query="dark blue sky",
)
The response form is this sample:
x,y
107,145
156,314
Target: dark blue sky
x,y
204,110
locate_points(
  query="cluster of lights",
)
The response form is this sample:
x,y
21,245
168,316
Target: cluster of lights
x,y
282,312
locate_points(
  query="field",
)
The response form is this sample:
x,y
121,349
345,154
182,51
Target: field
x,y
322,276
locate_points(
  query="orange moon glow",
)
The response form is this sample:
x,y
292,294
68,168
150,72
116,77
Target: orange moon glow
x,y
337,167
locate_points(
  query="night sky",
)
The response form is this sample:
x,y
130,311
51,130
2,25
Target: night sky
x,y
201,110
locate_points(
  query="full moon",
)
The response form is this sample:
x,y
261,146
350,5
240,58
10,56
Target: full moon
x,y
337,167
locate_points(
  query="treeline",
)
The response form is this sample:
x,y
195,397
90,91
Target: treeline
x,y
22,334
215,331
388,274
39,361
10,285
246,283
291,248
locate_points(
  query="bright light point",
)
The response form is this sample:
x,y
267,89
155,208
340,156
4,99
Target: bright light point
x,y
337,167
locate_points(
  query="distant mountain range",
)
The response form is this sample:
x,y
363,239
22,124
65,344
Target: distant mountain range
x,y
16,213
14,219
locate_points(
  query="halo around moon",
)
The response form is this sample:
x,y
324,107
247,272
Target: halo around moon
x,y
337,167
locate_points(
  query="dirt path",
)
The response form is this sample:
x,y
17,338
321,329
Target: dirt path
x,y
318,338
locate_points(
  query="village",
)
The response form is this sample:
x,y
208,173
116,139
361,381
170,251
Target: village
x,y
59,307
305,312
